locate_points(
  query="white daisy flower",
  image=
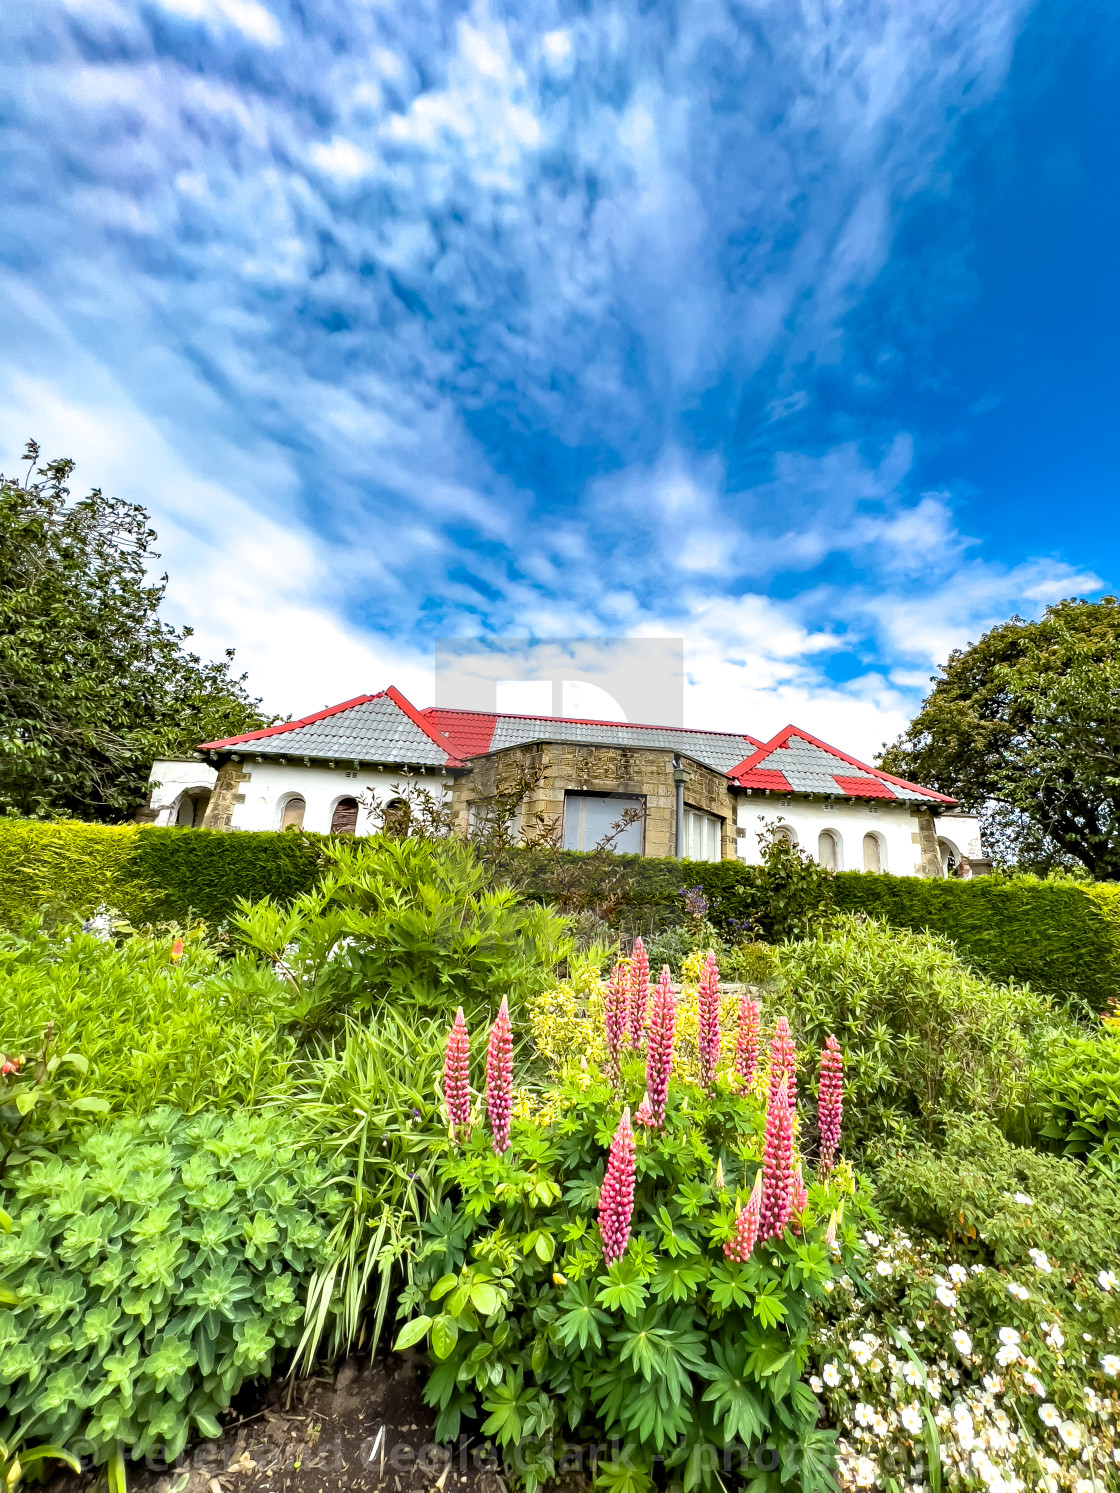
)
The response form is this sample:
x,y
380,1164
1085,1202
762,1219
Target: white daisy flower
x,y
947,1297
1019,1292
816,1384
1111,1364
865,1414
1010,1335
1070,1434
911,1418
958,1274
962,1342
1107,1280
1049,1415
865,1472
1040,1261
831,1374
1023,1200
860,1351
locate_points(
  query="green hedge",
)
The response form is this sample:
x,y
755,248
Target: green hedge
x,y
149,874
1062,937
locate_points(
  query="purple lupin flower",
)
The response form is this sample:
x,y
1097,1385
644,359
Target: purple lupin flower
x,y
659,1046
777,1174
708,1022
615,1016
830,1101
616,1196
639,993
499,1078
456,1074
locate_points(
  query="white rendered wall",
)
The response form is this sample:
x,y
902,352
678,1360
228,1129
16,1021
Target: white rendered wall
x,y
892,823
174,779
272,784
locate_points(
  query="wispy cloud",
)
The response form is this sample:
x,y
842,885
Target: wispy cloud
x,y
479,317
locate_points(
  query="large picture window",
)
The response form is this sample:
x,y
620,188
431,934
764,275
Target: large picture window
x,y
703,836
589,818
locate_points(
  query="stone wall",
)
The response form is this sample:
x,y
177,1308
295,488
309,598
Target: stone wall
x,y
554,768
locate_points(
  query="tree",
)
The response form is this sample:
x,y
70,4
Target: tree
x,y
93,684
1024,727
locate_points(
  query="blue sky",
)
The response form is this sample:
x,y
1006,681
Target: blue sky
x,y
790,328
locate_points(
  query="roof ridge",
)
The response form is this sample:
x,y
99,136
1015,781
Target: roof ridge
x,y
757,758
307,720
575,720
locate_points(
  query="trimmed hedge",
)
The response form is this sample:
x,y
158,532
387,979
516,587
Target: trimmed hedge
x,y
146,873
1063,937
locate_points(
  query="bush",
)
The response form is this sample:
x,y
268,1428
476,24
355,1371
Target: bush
x,y
68,868
1063,937
922,1035
672,1349
414,922
206,1031
1078,1105
152,1270
1000,1318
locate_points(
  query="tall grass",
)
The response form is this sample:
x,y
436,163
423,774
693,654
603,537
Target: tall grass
x,y
370,1100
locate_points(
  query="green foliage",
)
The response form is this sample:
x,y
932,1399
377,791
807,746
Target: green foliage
x,y
93,685
922,1035
204,873
1061,936
154,1269
68,869
368,1101
672,1348
1025,724
33,1101
417,923
990,1320
1077,1110
203,1031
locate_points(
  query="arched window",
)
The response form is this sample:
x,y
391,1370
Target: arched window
x,y
397,820
294,810
828,849
344,820
784,832
192,808
950,857
873,853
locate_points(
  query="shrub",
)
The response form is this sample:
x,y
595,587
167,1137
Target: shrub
x,y
206,1031
922,1034
68,868
414,922
993,1309
149,1272
1078,1105
658,1337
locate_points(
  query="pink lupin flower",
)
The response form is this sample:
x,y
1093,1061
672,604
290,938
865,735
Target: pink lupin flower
x,y
616,1196
456,1074
777,1176
659,1046
499,1078
747,1219
830,1101
783,1062
639,993
708,1021
644,1115
799,1195
615,1016
746,1045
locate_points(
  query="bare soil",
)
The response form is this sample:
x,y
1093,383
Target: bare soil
x,y
366,1429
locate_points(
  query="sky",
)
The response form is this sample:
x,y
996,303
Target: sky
x,y
787,328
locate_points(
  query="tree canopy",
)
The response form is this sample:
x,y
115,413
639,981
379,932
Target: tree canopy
x,y
1024,727
93,683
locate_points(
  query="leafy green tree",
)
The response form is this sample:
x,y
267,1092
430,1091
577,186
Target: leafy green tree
x,y
1024,726
93,684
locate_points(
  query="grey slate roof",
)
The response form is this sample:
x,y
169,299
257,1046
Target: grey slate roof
x,y
712,748
808,768
376,730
